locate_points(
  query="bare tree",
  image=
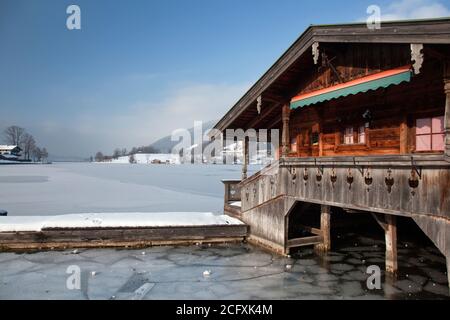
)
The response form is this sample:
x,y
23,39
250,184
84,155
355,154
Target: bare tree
x,y
117,153
132,159
99,157
124,152
37,154
14,135
28,145
44,154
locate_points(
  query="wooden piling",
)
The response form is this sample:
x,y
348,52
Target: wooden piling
x,y
325,218
391,244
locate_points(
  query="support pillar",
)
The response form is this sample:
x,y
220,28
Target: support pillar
x,y
325,223
245,158
391,244
447,110
389,225
285,143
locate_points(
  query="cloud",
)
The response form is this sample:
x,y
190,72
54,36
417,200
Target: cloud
x,y
414,9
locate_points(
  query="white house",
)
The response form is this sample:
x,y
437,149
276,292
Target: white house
x,y
10,152
147,158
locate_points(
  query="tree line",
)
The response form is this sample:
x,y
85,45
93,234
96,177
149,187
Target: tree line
x,y
17,136
100,157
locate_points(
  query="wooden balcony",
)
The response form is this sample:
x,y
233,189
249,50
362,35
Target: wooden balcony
x,y
400,185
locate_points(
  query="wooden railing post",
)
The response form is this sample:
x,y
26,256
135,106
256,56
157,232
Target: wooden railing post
x,y
285,136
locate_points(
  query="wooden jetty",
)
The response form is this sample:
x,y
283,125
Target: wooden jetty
x,y
117,230
364,117
119,237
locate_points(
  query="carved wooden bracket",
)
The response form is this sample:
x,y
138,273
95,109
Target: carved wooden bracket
x,y
259,104
315,52
417,56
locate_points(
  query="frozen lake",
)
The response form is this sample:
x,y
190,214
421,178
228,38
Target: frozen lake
x,y
237,271
64,188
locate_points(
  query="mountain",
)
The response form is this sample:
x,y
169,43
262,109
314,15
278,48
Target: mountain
x,y
165,145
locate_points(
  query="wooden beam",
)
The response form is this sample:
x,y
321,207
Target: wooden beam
x,y
272,124
312,230
391,245
306,241
263,115
380,220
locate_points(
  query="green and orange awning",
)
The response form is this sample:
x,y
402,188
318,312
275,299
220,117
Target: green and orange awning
x,y
373,82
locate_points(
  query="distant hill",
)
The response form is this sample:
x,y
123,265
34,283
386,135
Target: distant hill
x,y
165,145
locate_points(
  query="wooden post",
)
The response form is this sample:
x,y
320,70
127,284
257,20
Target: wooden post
x,y
447,109
391,244
448,272
245,160
285,136
325,219
404,136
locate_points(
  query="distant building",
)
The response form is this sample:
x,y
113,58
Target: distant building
x,y
150,158
10,152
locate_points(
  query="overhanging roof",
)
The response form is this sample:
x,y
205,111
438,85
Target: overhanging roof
x,y
432,31
373,82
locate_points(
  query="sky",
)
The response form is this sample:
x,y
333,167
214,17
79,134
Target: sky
x,y
137,70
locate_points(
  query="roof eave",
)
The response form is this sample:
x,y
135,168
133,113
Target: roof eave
x,y
406,31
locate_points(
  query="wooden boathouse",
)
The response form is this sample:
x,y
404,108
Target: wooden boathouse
x,y
364,121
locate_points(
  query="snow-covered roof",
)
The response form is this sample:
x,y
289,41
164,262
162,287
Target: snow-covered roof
x,y
8,147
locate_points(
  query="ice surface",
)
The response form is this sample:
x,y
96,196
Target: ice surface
x,y
237,271
66,188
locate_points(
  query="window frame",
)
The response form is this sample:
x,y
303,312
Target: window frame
x,y
430,134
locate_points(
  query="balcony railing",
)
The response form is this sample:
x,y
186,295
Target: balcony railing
x,y
232,198
397,184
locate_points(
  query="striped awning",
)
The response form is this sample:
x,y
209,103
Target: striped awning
x,y
375,81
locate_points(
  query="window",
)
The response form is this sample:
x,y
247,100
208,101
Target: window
x,y
362,135
348,135
430,134
294,144
354,135
315,138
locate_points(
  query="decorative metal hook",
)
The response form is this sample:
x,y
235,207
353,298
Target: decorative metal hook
x,y
333,177
389,180
350,178
358,167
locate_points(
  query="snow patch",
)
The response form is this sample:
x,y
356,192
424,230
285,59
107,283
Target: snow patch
x,y
114,220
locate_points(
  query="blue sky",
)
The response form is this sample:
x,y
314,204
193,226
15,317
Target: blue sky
x,y
139,69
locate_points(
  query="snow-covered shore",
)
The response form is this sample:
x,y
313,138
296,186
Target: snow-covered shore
x,y
114,220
